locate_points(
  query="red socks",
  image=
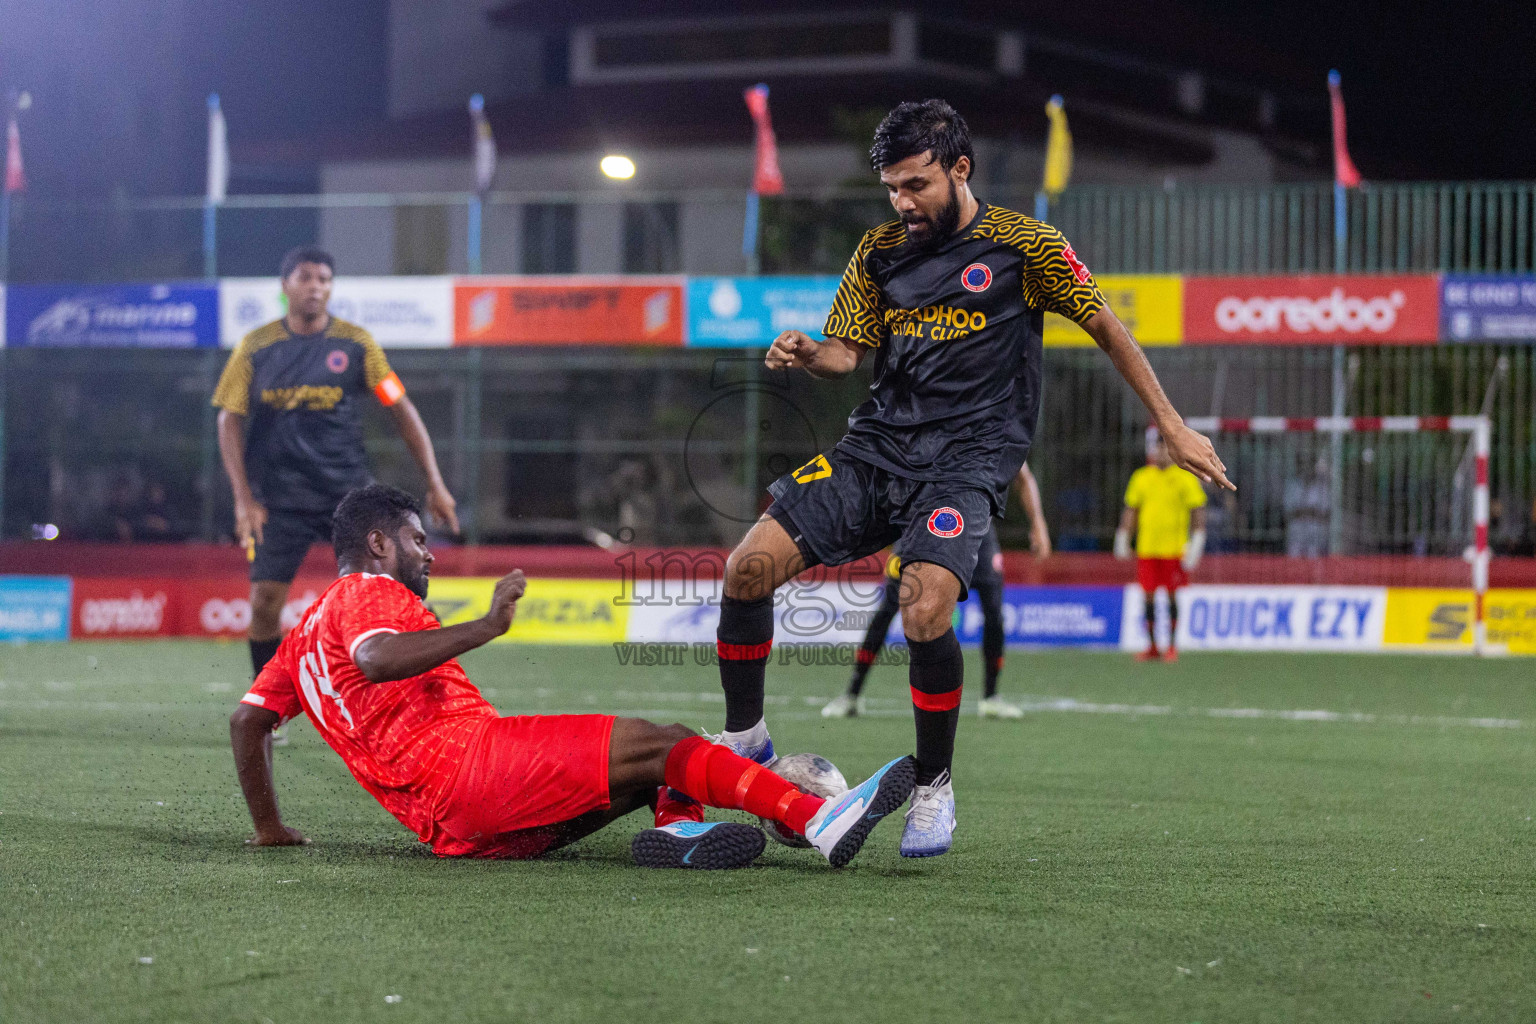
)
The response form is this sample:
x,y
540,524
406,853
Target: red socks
x,y
672,807
718,776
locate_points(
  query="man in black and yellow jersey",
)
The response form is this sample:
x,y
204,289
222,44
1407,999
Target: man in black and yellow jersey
x,y
291,435
951,299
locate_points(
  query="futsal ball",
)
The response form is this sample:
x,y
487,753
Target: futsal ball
x,y
809,773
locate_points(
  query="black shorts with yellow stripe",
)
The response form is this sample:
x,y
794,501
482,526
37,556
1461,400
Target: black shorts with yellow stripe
x,y
839,508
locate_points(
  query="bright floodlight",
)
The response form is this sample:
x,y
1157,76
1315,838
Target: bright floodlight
x,y
615,166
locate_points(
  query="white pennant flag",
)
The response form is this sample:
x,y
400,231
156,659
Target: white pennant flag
x,y
218,152
485,145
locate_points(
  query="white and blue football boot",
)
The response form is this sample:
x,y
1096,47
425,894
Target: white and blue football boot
x,y
703,845
931,820
754,744
839,829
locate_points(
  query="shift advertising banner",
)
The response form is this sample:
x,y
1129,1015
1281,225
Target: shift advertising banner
x,y
749,312
1349,309
1487,308
400,312
112,316
1151,305
568,311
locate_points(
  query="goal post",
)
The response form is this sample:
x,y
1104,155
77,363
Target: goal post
x,y
1404,501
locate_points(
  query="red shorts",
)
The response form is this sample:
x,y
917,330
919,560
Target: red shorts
x,y
521,776
1152,573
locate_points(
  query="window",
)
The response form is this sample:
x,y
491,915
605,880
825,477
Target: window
x,y
549,238
730,43
421,239
650,239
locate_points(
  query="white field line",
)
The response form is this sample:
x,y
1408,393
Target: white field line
x,y
675,703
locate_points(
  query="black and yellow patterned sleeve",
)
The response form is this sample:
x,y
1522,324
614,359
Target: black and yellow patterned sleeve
x,y
858,312
233,393
1055,280
381,380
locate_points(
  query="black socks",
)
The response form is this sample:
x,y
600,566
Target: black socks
x,y
874,637
937,675
744,640
261,653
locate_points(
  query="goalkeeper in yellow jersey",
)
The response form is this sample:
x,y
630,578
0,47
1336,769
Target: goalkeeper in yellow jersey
x,y
1165,510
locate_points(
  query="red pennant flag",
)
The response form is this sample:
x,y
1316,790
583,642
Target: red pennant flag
x,y
766,177
15,177
1344,172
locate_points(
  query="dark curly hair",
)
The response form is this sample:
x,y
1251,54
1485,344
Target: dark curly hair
x,y
375,507
914,128
303,254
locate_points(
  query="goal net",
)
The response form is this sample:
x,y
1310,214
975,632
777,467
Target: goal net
x,y
1395,507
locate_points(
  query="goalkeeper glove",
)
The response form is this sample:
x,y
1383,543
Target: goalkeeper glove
x,y
1123,544
1193,550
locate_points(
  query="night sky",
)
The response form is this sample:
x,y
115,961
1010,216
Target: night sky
x,y
1434,91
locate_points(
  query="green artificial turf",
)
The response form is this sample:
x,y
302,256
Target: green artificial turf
x,y
1112,864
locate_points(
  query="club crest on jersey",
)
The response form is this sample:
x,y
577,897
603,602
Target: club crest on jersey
x,y
977,277
336,362
1078,270
946,522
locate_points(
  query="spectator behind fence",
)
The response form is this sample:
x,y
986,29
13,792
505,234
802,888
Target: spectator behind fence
x,y
1307,506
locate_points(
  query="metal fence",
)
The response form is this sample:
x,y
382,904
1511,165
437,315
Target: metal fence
x,y
1288,229
1444,226
648,445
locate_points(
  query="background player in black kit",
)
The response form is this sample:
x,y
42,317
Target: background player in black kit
x,y
297,384
951,298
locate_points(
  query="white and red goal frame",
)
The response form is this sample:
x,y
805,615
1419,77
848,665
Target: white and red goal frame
x,y
1478,427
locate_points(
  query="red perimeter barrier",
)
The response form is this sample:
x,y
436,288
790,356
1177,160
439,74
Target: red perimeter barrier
x,y
202,589
180,561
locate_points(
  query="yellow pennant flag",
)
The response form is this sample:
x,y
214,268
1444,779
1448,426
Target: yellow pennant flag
x,y
1058,150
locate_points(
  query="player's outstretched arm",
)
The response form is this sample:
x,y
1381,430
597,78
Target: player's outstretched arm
x,y
1189,448
250,736
831,358
414,432
390,656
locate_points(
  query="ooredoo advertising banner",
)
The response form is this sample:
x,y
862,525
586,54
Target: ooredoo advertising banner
x,y
1487,308
1353,309
116,608
112,316
400,312
568,311
1150,305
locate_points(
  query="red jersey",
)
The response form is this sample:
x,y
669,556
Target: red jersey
x,y
403,740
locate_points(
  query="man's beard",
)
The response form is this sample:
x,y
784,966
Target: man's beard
x,y
416,582
941,228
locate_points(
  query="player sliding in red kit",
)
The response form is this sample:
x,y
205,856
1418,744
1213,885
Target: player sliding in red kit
x,y
375,673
